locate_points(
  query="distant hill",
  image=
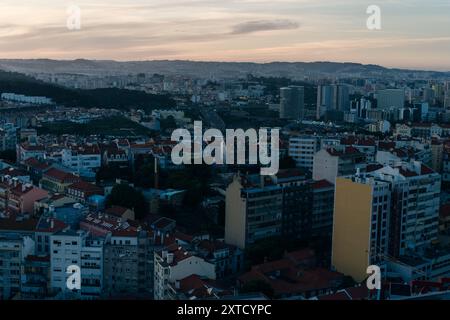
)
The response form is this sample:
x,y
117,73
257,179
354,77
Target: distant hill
x,y
294,70
97,98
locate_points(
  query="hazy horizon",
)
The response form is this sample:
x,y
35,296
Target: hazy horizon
x,y
415,35
218,61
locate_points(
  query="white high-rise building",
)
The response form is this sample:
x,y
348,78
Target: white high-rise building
x,y
65,251
302,149
74,248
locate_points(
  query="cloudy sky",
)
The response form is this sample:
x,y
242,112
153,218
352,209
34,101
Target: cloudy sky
x,y
414,34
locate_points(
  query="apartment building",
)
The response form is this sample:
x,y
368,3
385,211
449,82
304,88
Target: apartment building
x,y
227,259
45,227
65,251
8,137
128,254
322,208
91,264
57,181
81,191
297,203
437,155
173,264
17,197
392,211
28,150
83,160
253,211
360,226
76,248
36,278
13,251
22,197
36,169
415,222
336,162
302,149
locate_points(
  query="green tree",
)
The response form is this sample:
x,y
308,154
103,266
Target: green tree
x,y
287,163
9,155
128,197
145,176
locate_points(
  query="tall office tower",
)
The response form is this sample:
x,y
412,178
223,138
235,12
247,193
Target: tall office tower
x,y
335,97
439,92
390,98
447,97
341,98
292,103
362,107
428,95
324,100
390,213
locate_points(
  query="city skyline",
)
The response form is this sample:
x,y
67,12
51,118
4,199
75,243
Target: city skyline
x,y
235,31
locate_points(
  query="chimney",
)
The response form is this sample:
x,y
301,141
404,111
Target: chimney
x,y
156,174
170,258
52,224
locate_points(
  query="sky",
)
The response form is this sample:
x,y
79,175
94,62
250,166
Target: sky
x,y
414,33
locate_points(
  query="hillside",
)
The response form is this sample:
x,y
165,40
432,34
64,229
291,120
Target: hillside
x,y
98,98
294,70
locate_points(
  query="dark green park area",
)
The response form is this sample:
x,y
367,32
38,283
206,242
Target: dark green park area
x,y
111,126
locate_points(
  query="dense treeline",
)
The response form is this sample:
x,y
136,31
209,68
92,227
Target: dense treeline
x,y
114,126
273,85
95,98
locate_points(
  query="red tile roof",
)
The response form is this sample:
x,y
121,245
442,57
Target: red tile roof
x,y
444,210
116,210
85,187
13,172
36,164
12,223
60,175
322,184
373,167
426,170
